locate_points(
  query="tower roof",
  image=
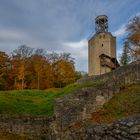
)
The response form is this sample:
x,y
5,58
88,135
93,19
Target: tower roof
x,y
101,23
100,17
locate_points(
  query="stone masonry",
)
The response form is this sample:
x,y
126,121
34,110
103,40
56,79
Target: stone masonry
x,y
124,129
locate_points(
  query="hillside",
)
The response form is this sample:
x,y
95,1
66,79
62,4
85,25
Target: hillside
x,y
123,104
41,102
34,102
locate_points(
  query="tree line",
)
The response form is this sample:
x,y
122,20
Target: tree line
x,y
28,68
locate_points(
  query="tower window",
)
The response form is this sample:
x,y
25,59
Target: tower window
x,y
103,36
100,36
102,45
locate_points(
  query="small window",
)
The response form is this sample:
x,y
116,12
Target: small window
x,y
102,45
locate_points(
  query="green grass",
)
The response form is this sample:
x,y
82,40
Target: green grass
x,y
125,103
34,102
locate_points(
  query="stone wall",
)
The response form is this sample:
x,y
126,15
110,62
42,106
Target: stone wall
x,y
79,106
34,127
39,128
124,129
115,74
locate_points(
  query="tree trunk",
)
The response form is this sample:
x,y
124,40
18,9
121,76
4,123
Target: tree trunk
x,y
38,81
23,81
22,84
15,83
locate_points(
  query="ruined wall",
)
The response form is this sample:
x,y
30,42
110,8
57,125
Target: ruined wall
x,y
79,106
115,74
34,127
124,129
39,128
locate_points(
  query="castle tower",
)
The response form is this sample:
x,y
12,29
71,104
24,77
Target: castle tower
x,y
101,49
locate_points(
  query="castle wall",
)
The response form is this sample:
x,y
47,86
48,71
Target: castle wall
x,y
123,129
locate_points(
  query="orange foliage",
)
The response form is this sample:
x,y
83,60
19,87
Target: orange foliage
x,y
35,70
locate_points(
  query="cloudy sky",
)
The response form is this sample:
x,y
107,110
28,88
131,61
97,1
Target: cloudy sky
x,y
61,25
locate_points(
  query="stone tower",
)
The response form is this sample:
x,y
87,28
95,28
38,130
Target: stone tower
x,y
101,49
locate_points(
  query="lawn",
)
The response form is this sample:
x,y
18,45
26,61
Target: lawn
x,y
34,102
125,103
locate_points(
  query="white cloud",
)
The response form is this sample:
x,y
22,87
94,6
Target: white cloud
x,y
138,14
78,50
9,34
121,31
76,45
131,17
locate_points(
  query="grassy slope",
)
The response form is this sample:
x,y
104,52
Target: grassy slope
x,y
34,102
127,102
40,102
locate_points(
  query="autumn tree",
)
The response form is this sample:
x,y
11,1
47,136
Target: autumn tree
x,y
39,63
64,70
39,71
35,69
6,76
20,57
133,37
53,59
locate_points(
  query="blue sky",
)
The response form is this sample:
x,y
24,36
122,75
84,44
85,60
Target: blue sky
x,y
61,25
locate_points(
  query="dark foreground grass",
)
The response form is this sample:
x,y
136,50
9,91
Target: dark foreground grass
x,y
34,102
125,103
5,135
